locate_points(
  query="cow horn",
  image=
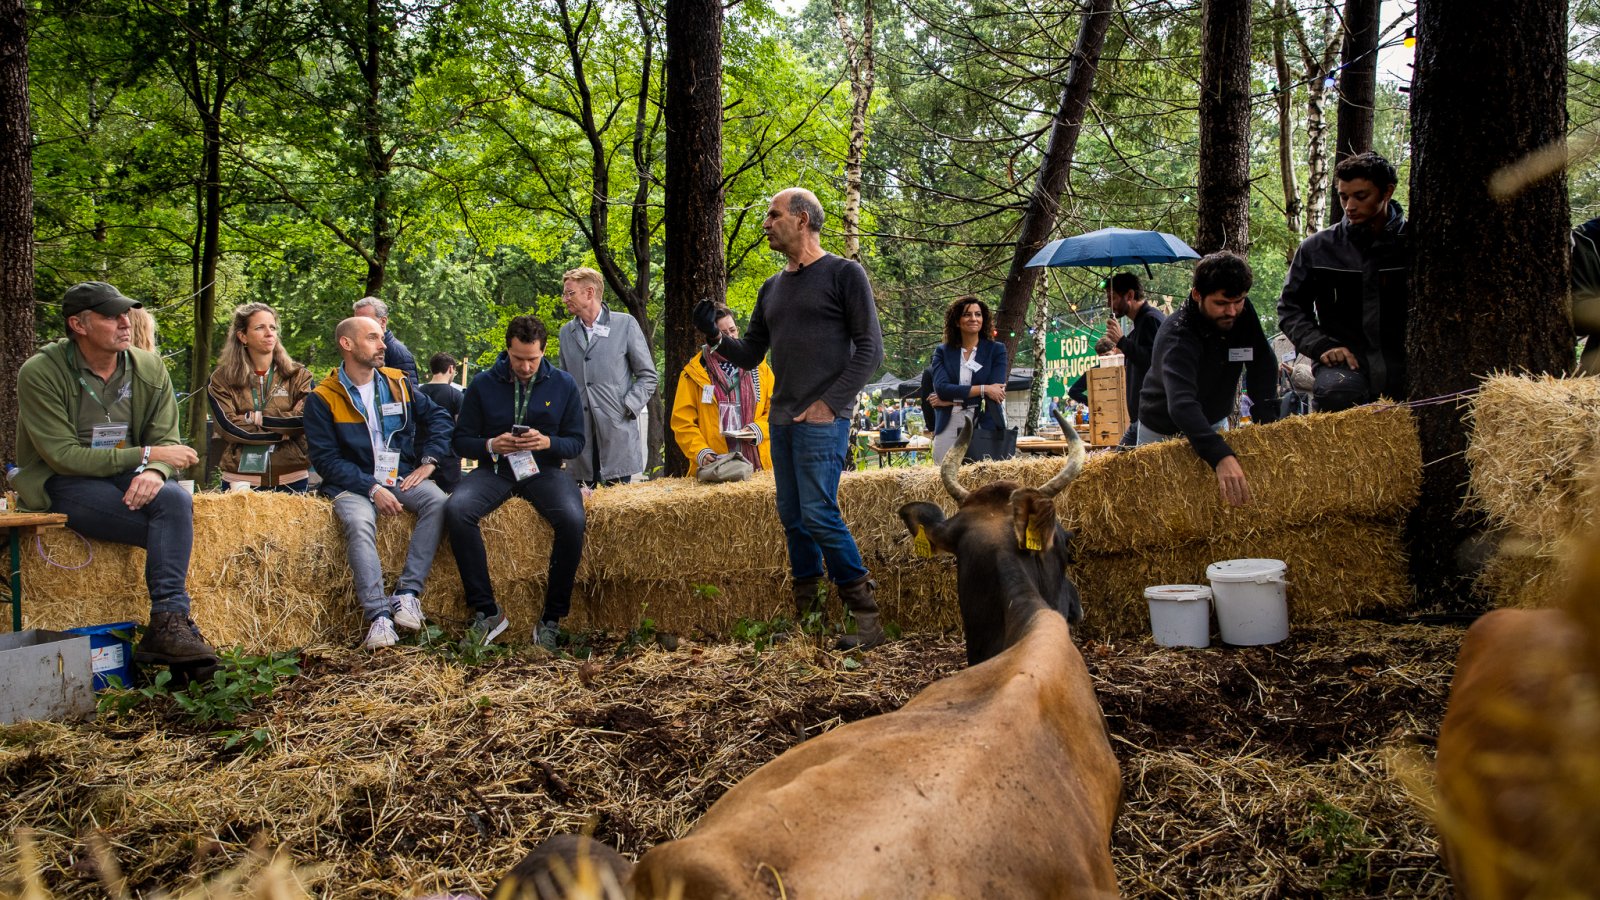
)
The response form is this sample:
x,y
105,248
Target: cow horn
x,y
950,469
1075,454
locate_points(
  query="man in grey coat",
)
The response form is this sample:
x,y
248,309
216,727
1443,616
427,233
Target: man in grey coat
x,y
606,354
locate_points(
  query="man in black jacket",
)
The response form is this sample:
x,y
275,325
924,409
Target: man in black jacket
x,y
1194,370
1345,299
1125,296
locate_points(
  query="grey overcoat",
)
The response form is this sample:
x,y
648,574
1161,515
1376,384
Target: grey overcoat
x,y
615,377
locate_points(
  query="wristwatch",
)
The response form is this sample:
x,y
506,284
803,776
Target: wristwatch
x,y
428,461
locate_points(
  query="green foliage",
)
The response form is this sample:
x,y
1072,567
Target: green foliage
x,y
760,633
1341,838
239,681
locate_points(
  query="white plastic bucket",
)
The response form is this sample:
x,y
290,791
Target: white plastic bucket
x,y
1251,606
1180,614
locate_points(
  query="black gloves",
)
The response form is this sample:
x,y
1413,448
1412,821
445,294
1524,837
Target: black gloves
x,y
705,320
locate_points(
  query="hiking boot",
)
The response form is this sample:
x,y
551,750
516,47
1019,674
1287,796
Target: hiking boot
x,y
407,611
858,599
545,635
380,634
809,600
173,639
486,627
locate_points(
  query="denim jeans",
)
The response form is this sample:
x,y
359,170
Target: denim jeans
x,y
554,495
806,463
164,527
360,520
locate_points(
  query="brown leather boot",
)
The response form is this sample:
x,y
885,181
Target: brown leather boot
x,y
173,639
858,598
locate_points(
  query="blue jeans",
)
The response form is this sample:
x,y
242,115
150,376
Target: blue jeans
x,y
806,463
164,527
554,495
360,520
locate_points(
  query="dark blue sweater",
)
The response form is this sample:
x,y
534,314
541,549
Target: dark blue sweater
x,y
553,410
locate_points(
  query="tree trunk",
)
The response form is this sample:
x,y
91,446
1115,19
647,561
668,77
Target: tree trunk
x,y
1317,67
1358,82
1284,96
693,264
1490,277
1041,319
205,303
16,216
859,57
379,160
1044,204
1223,208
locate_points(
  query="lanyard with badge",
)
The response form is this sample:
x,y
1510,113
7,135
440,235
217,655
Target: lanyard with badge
x,y
107,435
385,462
522,464
256,459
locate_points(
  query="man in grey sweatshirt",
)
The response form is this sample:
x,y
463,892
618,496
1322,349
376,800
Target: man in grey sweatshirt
x,y
818,319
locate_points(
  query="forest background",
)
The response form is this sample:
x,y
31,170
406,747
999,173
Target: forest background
x,y
454,158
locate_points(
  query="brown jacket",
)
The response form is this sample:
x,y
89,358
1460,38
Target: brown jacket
x,y
231,409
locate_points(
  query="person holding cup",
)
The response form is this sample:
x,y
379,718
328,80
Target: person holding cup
x,y
258,400
721,409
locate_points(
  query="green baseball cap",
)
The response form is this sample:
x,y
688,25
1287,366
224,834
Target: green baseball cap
x,y
98,296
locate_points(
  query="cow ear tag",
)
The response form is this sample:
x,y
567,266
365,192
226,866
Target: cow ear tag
x,y
1033,538
921,546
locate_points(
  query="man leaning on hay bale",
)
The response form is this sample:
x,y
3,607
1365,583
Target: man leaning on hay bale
x,y
361,430
818,319
98,440
1194,370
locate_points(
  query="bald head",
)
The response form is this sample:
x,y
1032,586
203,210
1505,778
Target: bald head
x,y
360,341
794,226
801,202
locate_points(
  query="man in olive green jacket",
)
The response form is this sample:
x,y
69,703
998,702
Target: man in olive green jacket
x,y
97,440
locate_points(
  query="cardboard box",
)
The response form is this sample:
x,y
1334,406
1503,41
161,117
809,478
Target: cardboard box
x,y
1108,405
45,675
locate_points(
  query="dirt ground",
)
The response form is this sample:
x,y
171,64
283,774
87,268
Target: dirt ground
x,y
1260,772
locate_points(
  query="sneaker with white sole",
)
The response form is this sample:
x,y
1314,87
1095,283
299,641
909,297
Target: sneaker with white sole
x,y
381,634
484,629
407,611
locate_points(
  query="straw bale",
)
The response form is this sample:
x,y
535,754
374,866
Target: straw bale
x,y
1533,447
1337,569
1520,578
1361,463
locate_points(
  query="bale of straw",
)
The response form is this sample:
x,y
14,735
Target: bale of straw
x,y
1337,569
1362,463
1533,446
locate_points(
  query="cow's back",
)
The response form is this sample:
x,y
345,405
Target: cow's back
x,y
998,782
1516,760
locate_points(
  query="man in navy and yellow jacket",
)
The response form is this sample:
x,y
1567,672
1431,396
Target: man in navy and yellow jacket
x,y
361,428
520,419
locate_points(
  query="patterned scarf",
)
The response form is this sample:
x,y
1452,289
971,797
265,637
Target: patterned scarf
x,y
732,384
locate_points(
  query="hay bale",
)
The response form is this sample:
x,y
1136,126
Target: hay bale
x,y
1363,463
1532,452
1337,569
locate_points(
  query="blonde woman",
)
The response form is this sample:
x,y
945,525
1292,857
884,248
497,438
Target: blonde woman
x,y
258,396
144,329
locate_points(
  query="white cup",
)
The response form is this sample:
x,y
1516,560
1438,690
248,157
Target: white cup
x,y
187,484
239,486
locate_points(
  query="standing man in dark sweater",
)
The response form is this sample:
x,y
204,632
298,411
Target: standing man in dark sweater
x,y
818,319
1125,296
1194,372
442,390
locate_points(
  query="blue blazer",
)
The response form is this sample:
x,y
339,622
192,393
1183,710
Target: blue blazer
x,y
991,356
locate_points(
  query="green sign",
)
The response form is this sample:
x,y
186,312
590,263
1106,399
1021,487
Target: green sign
x,y
1068,353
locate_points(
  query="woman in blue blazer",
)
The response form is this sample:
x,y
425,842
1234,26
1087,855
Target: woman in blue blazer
x,y
969,373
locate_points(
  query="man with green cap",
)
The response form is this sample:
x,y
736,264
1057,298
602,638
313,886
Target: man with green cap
x,y
97,440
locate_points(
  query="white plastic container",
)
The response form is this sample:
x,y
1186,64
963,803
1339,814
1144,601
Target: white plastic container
x,y
1180,614
1251,605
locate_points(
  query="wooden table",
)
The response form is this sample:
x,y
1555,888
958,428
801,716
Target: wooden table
x,y
16,526
889,452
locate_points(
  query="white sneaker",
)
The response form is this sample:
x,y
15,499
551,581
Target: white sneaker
x,y
407,612
381,634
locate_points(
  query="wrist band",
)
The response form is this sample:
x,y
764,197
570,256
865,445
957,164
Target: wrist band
x,y
144,461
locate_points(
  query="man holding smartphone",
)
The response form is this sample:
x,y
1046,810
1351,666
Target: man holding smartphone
x,y
520,418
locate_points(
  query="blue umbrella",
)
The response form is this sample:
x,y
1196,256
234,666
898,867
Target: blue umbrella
x,y
1113,247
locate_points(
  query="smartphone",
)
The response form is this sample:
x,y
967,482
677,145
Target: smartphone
x,y
520,430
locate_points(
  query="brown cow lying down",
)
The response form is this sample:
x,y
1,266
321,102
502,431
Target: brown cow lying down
x,y
996,782
1519,760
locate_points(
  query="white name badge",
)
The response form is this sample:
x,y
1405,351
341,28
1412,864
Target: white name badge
x,y
391,409
108,436
708,394
601,331
972,365
386,468
1241,354
522,464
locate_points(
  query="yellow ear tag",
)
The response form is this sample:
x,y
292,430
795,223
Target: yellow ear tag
x,y
1034,538
921,545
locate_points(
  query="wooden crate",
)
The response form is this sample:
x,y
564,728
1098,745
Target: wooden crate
x,y
1108,405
